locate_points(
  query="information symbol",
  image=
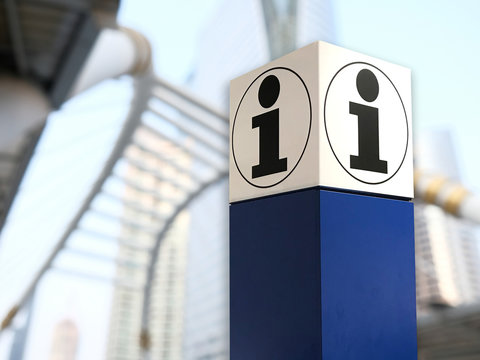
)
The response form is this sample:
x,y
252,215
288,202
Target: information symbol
x,y
271,127
366,123
368,142
268,124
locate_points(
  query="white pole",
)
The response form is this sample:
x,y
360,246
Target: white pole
x,y
116,52
453,197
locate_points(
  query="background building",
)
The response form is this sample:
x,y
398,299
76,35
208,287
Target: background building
x,y
142,211
447,252
253,32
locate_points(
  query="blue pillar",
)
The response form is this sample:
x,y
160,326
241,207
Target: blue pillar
x,y
320,274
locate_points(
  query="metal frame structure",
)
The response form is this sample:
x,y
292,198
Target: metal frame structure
x,y
48,41
202,137
44,45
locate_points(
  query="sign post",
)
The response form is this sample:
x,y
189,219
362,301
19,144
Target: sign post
x,y
321,223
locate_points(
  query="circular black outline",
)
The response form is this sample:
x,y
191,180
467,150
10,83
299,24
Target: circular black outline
x,y
326,131
309,127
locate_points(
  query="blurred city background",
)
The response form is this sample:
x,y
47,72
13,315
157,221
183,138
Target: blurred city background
x,y
114,159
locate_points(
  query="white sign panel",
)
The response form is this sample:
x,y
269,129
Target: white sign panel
x,y
321,116
278,93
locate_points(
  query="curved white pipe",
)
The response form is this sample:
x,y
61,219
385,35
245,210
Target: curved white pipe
x,y
449,195
470,208
116,52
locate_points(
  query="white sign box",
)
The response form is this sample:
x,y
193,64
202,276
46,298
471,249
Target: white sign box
x,y
321,116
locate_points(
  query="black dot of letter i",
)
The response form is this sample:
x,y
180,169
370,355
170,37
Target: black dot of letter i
x,y
269,129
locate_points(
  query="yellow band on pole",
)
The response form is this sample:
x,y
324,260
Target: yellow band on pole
x,y
433,188
454,199
145,340
8,319
416,176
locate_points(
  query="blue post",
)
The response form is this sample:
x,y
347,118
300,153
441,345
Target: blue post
x,y
318,274
322,254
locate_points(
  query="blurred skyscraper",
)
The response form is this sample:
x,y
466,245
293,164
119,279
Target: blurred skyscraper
x,y
447,253
166,323
243,35
246,34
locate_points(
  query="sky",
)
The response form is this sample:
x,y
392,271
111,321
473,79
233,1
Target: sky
x,y
436,39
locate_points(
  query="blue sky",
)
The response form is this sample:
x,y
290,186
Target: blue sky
x,y
438,40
